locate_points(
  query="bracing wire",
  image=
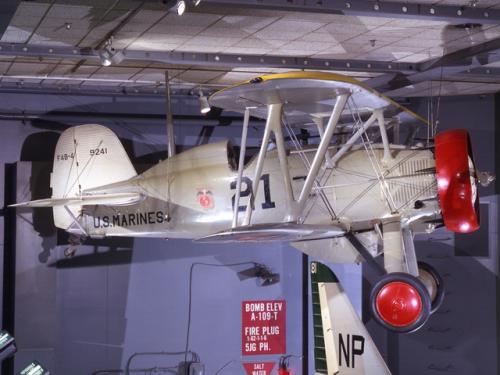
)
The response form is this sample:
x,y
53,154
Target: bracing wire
x,y
307,165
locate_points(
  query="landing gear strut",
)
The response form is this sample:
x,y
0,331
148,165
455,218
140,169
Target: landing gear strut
x,y
74,242
433,283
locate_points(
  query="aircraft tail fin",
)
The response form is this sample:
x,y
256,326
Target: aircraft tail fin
x,y
86,157
343,346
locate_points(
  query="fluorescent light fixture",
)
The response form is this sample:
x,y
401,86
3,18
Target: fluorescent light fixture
x,y
181,7
204,104
34,368
196,2
108,55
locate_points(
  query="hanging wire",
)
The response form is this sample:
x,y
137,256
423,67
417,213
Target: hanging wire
x,y
190,298
438,106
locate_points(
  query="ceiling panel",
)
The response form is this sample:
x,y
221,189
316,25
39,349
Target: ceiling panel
x,y
24,68
143,20
4,66
69,12
239,31
231,78
236,49
191,18
246,23
198,76
158,75
288,29
16,35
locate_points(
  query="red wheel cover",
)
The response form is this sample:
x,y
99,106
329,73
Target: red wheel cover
x,y
460,213
399,304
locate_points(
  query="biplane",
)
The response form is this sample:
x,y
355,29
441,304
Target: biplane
x,y
350,197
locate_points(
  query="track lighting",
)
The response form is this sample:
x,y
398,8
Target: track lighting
x,y
181,7
108,55
204,104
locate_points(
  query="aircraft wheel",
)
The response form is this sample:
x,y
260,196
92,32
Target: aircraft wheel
x,y
433,283
400,302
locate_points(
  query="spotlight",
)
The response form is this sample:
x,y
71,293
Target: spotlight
x,y
7,345
265,276
204,104
34,368
181,7
108,55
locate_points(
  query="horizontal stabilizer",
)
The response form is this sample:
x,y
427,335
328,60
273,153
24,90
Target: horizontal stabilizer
x,y
116,199
275,232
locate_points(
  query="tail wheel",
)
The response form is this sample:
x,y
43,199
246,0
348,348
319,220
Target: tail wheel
x,y
400,302
433,283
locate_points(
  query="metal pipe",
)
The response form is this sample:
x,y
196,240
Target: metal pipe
x,y
170,121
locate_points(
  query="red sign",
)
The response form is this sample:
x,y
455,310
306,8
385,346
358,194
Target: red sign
x,y
263,328
260,368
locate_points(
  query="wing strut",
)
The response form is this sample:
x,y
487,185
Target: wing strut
x,y
383,134
241,164
320,153
321,130
273,124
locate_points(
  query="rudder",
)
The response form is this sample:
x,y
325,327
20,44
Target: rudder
x,y
86,156
343,346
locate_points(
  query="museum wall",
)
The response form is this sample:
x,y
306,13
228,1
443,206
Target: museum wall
x,y
461,337
91,313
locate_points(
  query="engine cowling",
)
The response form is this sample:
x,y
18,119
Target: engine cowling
x,y
456,180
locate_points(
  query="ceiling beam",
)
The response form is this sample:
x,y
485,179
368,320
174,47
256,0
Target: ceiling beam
x,y
453,14
461,62
7,10
211,59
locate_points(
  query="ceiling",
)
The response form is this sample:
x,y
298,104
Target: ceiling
x,y
149,27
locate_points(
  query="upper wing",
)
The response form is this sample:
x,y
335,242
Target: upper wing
x,y
306,95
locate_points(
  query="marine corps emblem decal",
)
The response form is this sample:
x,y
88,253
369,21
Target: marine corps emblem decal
x,y
205,199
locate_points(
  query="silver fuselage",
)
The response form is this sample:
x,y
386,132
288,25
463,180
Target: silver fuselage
x,y
191,194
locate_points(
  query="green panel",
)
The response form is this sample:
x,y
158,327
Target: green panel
x,y
319,274
322,274
319,340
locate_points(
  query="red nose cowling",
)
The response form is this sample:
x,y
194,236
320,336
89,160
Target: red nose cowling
x,y
460,213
